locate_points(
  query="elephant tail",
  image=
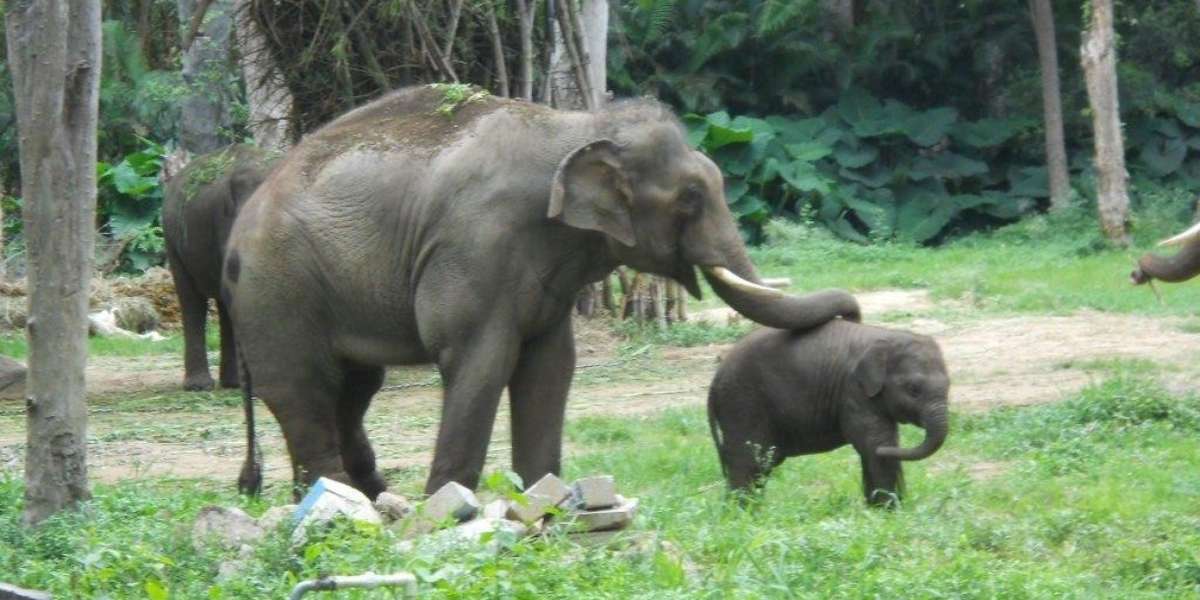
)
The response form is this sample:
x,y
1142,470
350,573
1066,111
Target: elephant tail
x,y
250,479
718,437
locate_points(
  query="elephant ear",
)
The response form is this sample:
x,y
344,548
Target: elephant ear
x,y
591,191
870,371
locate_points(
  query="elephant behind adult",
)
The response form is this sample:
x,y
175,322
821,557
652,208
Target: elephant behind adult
x,y
199,206
416,231
1182,266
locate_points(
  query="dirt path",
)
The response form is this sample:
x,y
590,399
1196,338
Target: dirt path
x,y
993,362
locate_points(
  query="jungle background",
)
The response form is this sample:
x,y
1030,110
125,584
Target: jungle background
x,y
894,149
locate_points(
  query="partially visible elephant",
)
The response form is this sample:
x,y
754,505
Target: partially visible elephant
x,y
424,229
199,206
1183,266
786,393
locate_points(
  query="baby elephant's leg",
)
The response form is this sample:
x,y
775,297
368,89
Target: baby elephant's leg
x,y
883,480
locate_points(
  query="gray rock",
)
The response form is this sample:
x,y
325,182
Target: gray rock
x,y
539,499
591,493
12,379
392,507
275,516
328,499
496,509
12,592
452,501
618,517
225,527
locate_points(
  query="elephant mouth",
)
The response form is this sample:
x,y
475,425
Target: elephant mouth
x,y
685,274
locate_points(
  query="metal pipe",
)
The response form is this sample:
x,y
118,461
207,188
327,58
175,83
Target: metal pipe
x,y
366,580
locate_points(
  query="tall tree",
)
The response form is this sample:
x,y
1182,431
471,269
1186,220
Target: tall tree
x,y
206,118
1056,151
54,50
267,96
1099,57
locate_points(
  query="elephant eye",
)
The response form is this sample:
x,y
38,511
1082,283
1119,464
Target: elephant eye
x,y
913,388
690,201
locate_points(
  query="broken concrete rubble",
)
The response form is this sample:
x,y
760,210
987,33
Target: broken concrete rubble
x,y
539,500
451,501
592,493
327,499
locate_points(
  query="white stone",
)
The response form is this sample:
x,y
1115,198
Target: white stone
x,y
496,509
392,507
592,493
225,527
539,499
276,515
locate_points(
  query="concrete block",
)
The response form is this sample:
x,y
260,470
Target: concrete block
x,y
453,500
496,509
539,499
592,493
327,499
618,517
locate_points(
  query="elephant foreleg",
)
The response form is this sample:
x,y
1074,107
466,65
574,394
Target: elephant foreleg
x,y
475,371
882,477
538,399
194,307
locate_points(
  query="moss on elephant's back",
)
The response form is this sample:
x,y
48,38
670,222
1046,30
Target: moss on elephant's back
x,y
414,119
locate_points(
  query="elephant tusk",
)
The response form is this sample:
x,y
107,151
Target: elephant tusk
x,y
733,280
1191,232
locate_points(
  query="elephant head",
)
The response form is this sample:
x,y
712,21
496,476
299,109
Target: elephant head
x,y
662,208
1180,267
904,377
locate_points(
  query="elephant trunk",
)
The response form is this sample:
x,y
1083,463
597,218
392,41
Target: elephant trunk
x,y
740,287
934,420
1181,267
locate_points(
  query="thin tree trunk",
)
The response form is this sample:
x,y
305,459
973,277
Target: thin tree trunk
x,y
497,49
431,47
525,16
1056,151
451,31
1099,57
206,115
267,96
54,51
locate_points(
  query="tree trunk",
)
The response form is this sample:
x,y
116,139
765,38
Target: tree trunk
x,y
1056,152
206,116
497,50
525,16
54,50
269,100
1099,57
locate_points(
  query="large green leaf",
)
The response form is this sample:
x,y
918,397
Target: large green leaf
x,y
1164,155
809,151
922,218
998,204
792,131
129,182
946,165
875,208
928,127
805,177
854,155
697,129
736,159
721,133
864,113
873,176
984,133
1188,112
1029,181
735,188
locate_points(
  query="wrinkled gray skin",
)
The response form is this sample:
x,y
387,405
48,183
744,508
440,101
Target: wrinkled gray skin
x,y
396,235
1182,266
783,393
196,219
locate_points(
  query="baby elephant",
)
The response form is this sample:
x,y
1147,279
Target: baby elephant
x,y
784,393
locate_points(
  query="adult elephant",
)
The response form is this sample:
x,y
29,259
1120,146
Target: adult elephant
x,y
199,206
416,230
1183,266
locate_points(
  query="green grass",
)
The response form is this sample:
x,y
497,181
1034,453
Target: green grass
x,y
14,345
1096,496
1044,264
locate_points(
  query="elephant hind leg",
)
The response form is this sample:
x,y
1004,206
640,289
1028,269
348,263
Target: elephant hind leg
x,y
358,459
229,364
303,400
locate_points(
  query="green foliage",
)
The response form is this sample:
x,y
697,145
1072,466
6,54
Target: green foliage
x,y
868,169
455,95
130,199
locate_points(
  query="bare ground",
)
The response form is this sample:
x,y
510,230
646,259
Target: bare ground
x,y
138,427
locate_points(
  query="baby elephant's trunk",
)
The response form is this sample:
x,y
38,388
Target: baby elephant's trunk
x,y
934,421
